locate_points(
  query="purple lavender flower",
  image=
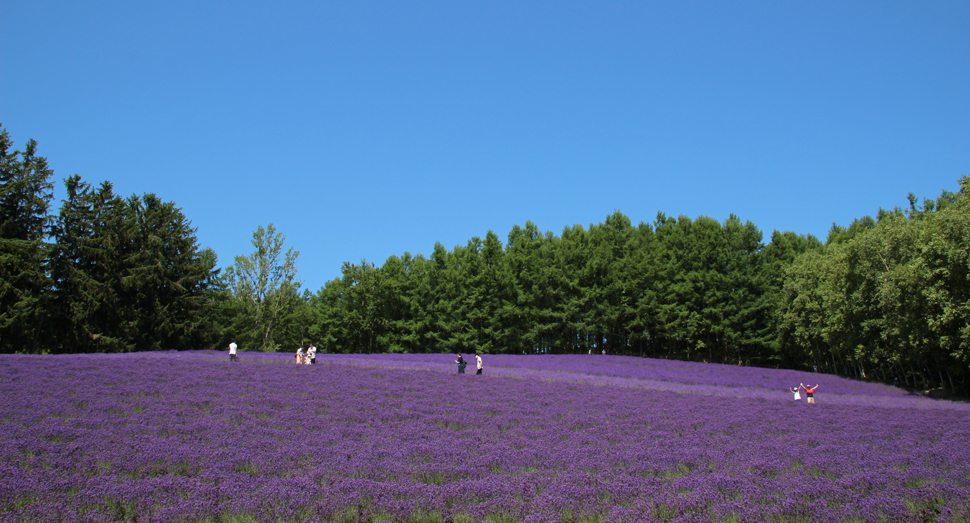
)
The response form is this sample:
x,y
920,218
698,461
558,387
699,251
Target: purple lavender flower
x,y
190,437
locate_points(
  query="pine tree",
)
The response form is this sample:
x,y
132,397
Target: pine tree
x,y
167,281
25,193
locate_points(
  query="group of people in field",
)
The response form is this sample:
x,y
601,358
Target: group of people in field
x,y
462,364
809,392
306,358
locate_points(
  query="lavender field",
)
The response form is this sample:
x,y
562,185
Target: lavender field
x,y
191,437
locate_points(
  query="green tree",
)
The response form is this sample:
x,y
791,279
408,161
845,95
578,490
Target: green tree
x,y
265,284
363,307
25,193
329,330
643,284
426,275
527,267
400,331
86,269
571,255
609,276
801,323
498,297
168,282
128,274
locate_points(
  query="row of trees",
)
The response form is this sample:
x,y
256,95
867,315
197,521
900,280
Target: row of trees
x,y
679,288
105,273
884,298
887,296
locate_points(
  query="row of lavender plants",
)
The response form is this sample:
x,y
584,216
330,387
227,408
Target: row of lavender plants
x,y
192,437
655,374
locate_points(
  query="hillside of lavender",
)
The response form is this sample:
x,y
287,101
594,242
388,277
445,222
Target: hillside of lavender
x,y
189,436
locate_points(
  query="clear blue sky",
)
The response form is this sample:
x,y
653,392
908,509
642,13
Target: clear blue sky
x,y
364,130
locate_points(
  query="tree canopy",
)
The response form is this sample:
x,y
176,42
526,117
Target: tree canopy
x,y
887,296
106,273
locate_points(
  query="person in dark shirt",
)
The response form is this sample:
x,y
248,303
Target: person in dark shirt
x,y
461,364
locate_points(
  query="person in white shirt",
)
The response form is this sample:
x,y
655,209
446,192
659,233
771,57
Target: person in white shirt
x,y
232,351
311,354
299,355
478,364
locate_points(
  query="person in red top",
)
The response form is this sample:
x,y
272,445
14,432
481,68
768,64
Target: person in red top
x,y
810,392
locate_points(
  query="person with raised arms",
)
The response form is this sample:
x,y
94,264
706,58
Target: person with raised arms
x,y
810,392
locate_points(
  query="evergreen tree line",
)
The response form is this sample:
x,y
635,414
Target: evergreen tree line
x,y
104,273
678,288
887,297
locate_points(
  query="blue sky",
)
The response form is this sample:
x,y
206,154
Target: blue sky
x,y
366,129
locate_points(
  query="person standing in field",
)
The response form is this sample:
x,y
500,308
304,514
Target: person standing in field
x,y
810,393
461,364
232,351
478,364
796,391
311,353
299,355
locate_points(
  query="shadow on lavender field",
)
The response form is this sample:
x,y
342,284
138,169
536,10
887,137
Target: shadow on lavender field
x,y
191,437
